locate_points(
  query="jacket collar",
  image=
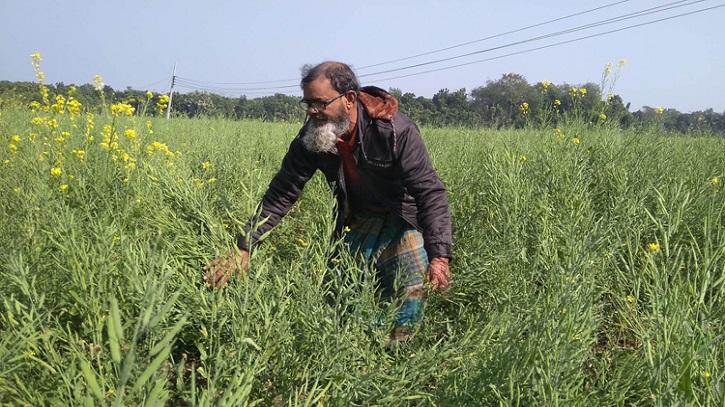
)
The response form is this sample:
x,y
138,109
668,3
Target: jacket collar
x,y
374,104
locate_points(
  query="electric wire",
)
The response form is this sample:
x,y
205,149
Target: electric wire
x,y
211,86
617,19
155,83
549,45
494,36
434,51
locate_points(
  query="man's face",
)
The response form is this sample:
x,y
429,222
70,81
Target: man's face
x,y
320,90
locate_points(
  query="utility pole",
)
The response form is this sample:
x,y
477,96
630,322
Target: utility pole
x,y
171,92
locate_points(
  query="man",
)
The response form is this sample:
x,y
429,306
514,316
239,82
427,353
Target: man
x,y
392,207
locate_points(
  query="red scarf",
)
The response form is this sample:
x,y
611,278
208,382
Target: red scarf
x,y
345,148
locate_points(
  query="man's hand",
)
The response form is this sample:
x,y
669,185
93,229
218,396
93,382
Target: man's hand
x,y
231,263
438,275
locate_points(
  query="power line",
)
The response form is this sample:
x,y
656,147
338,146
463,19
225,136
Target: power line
x,y
494,36
617,19
155,83
552,45
185,84
430,52
210,86
199,84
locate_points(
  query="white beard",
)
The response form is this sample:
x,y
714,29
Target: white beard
x,y
323,139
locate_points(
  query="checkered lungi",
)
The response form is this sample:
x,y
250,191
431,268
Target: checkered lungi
x,y
394,249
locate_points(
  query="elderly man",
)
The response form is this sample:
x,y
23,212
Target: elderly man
x,y
392,207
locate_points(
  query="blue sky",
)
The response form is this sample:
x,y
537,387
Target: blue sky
x,y
678,63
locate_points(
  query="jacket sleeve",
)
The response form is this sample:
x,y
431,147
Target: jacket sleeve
x,y
298,166
424,185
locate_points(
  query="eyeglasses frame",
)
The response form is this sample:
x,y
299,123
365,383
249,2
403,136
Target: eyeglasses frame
x,y
306,105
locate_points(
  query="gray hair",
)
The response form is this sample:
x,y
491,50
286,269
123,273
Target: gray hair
x,y
341,76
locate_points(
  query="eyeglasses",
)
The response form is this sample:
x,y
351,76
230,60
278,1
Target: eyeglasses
x,y
317,105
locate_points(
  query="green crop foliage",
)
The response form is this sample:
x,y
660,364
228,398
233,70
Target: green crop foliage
x,y
589,270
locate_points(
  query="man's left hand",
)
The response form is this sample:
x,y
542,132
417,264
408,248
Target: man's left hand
x,y
438,274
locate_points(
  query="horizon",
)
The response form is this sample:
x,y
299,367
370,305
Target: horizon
x,y
257,50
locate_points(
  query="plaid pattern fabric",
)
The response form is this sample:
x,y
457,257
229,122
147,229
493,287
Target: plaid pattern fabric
x,y
396,250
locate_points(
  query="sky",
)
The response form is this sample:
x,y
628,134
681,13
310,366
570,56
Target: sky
x,y
231,46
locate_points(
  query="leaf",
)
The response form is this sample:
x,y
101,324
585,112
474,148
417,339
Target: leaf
x,y
115,331
250,342
152,368
164,310
161,350
166,340
91,381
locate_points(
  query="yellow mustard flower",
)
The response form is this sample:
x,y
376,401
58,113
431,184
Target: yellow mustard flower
x,y
524,107
130,134
206,165
98,81
659,110
715,181
602,116
122,109
55,172
63,187
59,105
522,158
575,140
74,108
630,299
653,248
211,180
557,102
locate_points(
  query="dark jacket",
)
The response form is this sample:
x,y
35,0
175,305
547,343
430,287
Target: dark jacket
x,y
393,163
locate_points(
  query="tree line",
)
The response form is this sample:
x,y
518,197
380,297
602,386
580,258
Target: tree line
x,y
510,101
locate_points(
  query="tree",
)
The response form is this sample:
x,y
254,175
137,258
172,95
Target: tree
x,y
501,100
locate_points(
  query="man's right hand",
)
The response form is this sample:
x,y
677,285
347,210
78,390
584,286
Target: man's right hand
x,y
232,263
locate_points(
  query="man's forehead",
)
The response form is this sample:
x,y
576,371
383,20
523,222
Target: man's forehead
x,y
319,88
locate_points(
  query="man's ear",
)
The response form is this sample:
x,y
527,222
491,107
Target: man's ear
x,y
350,97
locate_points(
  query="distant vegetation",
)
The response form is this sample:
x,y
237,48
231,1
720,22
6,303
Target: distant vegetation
x,y
510,101
588,269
